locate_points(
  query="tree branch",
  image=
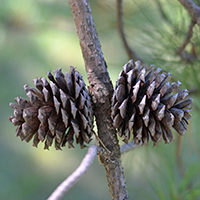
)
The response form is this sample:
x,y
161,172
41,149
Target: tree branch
x,y
187,39
127,147
101,91
180,51
130,52
193,10
74,178
68,183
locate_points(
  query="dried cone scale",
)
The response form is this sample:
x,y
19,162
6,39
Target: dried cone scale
x,y
143,105
56,111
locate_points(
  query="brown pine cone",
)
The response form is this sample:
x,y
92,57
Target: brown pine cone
x,y
142,105
55,111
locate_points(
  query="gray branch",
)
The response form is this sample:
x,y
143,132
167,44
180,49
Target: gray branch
x,y
68,183
74,178
127,147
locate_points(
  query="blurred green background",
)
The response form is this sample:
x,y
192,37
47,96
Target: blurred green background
x,y
39,35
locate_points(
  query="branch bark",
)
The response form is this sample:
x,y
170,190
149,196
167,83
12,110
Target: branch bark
x,y
101,90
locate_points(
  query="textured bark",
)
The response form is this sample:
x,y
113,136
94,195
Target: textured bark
x,y
101,90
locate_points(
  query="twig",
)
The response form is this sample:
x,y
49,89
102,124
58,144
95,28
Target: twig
x,y
181,50
130,52
68,183
101,143
188,37
194,91
193,10
187,57
127,147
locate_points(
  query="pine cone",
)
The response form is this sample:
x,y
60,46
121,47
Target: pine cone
x,y
142,105
56,111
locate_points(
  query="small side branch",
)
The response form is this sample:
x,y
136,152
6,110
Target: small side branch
x,y
181,50
130,52
187,39
193,10
68,183
127,147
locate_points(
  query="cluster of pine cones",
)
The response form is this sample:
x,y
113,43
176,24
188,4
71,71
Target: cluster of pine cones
x,y
143,108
